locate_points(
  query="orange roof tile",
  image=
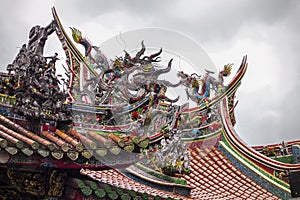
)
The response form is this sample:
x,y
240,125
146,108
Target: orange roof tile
x,y
207,181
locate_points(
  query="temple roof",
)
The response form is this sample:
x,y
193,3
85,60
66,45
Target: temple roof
x,y
213,176
65,149
115,178
210,161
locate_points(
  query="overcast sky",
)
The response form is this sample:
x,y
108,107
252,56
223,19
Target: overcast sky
x,y
267,31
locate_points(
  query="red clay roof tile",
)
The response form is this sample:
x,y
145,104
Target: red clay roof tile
x,y
213,177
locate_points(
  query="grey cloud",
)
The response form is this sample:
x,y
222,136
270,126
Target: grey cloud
x,y
226,18
136,8
267,116
221,22
11,35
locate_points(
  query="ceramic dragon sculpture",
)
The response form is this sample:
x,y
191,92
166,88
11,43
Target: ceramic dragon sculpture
x,y
198,89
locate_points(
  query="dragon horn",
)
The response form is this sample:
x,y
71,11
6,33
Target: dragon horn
x,y
209,72
156,54
141,52
126,53
170,63
195,74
